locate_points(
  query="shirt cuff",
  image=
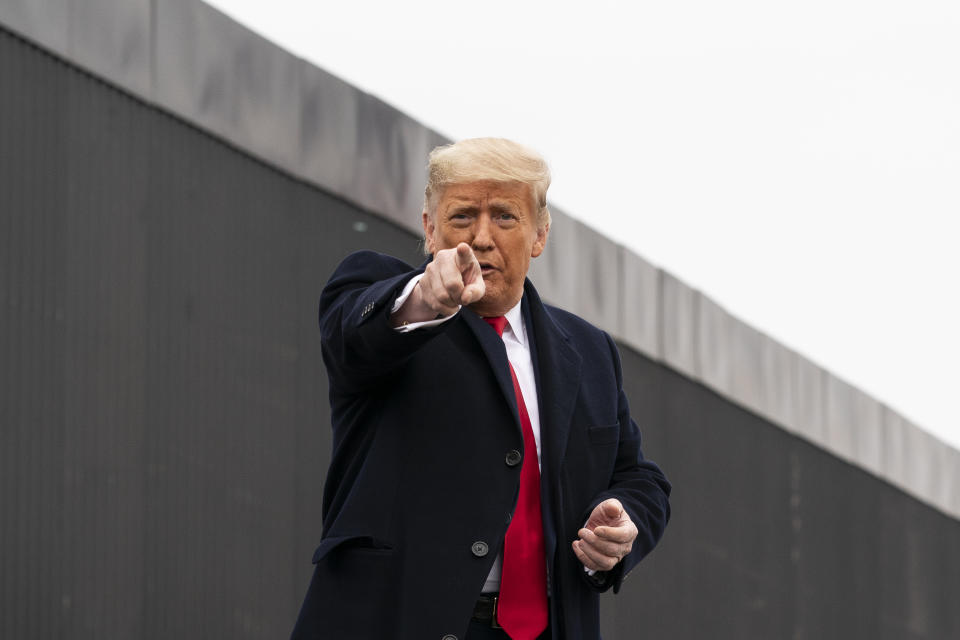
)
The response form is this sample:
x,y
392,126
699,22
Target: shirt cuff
x,y
410,326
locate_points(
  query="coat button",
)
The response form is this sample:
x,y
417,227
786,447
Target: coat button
x,y
513,458
479,548
449,636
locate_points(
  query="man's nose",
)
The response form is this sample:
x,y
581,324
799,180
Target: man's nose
x,y
483,235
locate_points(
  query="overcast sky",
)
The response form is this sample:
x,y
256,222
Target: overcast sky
x,y
797,162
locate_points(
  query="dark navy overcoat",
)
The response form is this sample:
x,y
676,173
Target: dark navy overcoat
x,y
419,490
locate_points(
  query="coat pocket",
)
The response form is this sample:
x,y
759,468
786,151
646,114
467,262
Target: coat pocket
x,y
604,434
366,544
354,590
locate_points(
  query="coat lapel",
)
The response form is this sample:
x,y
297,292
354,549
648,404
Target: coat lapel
x,y
496,353
557,366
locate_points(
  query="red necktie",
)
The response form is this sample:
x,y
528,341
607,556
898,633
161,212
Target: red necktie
x,y
522,606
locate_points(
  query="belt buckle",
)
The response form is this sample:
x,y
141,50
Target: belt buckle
x,y
493,619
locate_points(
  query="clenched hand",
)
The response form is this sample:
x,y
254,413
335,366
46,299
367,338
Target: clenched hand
x,y
606,538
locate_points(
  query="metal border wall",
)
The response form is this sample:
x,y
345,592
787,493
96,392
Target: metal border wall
x,y
189,59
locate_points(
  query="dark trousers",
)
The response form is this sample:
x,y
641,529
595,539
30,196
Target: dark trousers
x,y
483,631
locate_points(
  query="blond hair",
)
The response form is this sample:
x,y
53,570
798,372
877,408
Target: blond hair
x,y
495,159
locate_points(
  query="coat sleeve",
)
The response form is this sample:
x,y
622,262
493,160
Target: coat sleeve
x,y
639,485
359,344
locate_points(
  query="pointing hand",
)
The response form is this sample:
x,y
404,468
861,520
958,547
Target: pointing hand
x,y
453,279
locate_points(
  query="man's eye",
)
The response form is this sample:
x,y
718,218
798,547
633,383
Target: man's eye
x,y
507,216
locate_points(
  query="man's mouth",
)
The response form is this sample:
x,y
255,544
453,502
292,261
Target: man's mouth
x,y
486,268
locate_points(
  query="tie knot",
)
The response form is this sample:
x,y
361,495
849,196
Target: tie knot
x,y
498,323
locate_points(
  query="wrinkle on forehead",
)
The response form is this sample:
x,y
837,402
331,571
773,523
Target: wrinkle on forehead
x,y
487,194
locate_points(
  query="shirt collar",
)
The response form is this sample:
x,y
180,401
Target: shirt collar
x,y
515,323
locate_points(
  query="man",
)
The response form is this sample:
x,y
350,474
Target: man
x,y
485,470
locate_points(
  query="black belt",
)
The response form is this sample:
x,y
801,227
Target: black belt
x,y
486,609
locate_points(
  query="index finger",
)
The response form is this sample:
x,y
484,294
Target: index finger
x,y
465,257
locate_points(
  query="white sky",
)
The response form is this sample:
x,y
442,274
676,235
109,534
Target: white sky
x,y
797,162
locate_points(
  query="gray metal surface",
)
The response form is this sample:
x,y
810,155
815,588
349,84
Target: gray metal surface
x,y
329,126
580,268
389,170
188,58
45,22
555,271
640,303
919,463
811,381
730,354
853,424
233,82
779,375
679,335
111,38
114,37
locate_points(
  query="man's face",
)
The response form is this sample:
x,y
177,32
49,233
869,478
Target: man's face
x,y
499,223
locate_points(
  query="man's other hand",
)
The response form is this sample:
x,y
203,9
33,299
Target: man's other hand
x,y
606,538
451,280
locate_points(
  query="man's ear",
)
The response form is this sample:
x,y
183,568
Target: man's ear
x,y
541,242
428,229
